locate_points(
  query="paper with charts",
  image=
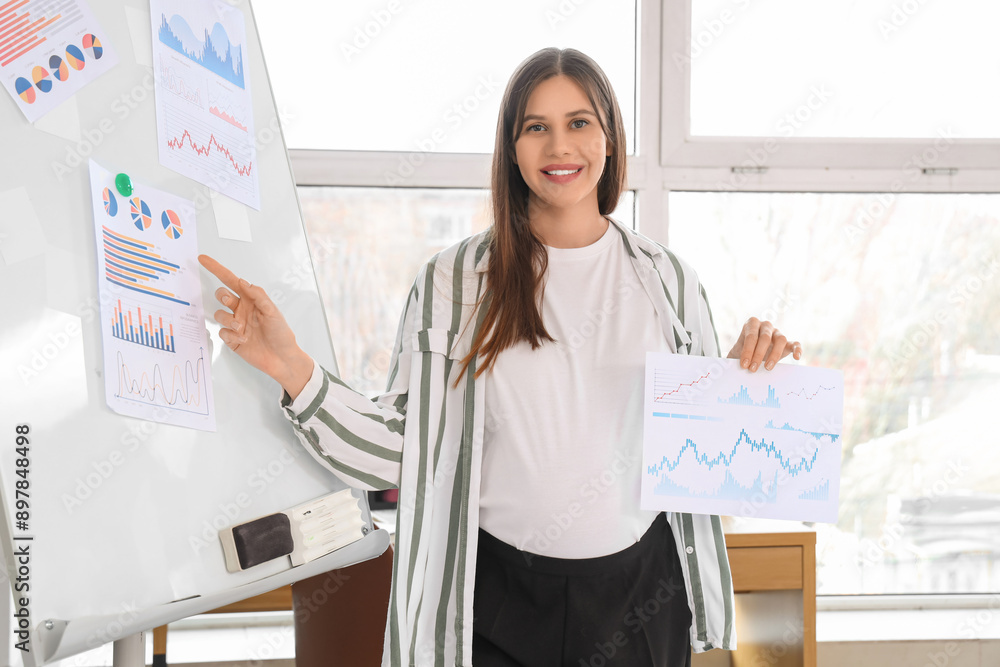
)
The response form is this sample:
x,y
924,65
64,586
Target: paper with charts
x,y
157,364
204,115
718,439
49,49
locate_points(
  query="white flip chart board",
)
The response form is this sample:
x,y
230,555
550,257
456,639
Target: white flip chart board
x,y
122,513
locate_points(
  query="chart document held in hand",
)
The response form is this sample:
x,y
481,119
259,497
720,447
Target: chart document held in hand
x,y
718,439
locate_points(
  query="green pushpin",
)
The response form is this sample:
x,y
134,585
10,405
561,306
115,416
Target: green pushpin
x,y
124,185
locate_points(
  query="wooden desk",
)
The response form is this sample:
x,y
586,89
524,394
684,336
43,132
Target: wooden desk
x,y
774,576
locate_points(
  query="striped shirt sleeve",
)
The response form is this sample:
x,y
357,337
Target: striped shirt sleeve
x,y
359,439
709,336
700,536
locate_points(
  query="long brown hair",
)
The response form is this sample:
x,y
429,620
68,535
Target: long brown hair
x,y
518,258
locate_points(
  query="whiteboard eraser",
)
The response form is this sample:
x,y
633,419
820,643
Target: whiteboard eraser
x,y
257,541
304,533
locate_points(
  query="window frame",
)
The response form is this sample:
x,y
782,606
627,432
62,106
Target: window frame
x,y
797,164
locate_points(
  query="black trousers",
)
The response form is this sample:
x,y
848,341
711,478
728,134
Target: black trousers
x,y
626,608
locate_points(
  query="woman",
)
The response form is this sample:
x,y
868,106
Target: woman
x,y
511,427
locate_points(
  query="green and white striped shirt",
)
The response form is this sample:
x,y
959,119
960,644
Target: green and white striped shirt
x,y
426,437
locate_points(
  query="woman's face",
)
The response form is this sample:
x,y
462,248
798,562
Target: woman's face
x,y
561,150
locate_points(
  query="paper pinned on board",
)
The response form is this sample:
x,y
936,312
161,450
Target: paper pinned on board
x,y
157,360
204,110
49,51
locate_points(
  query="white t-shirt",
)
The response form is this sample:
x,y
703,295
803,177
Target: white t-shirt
x,y
562,449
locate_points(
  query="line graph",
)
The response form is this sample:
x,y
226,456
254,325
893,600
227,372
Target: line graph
x,y
804,393
768,448
718,439
177,84
224,104
182,387
210,150
664,388
205,149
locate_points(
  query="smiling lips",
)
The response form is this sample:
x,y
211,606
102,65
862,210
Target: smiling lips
x,y
562,173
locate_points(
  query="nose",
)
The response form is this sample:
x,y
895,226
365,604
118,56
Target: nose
x,y
559,142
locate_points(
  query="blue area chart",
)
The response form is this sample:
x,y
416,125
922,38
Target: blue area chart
x,y
213,51
788,427
742,397
730,489
818,492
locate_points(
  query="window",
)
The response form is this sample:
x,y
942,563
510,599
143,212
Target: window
x,y
904,298
388,76
813,206
863,69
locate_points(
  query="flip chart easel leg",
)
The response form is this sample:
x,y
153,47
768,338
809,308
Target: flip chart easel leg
x,y
130,651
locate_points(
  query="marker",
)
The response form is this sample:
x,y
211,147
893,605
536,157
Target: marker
x,y
124,185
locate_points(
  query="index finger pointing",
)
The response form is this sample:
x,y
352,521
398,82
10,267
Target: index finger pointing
x,y
227,277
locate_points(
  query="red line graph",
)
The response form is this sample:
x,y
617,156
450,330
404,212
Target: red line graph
x,y
206,149
683,384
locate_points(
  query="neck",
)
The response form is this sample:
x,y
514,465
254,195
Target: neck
x,y
574,227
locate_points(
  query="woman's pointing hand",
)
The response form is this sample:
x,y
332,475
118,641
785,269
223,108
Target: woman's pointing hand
x,y
255,329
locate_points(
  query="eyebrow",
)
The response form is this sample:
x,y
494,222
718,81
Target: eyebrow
x,y
578,112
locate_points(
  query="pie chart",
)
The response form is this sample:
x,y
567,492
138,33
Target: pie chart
x,y
93,46
41,77
59,69
25,90
110,202
74,56
171,224
140,214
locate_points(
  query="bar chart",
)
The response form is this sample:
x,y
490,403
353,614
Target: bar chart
x,y
147,329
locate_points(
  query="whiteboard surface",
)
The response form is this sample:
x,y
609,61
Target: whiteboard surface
x,y
124,511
